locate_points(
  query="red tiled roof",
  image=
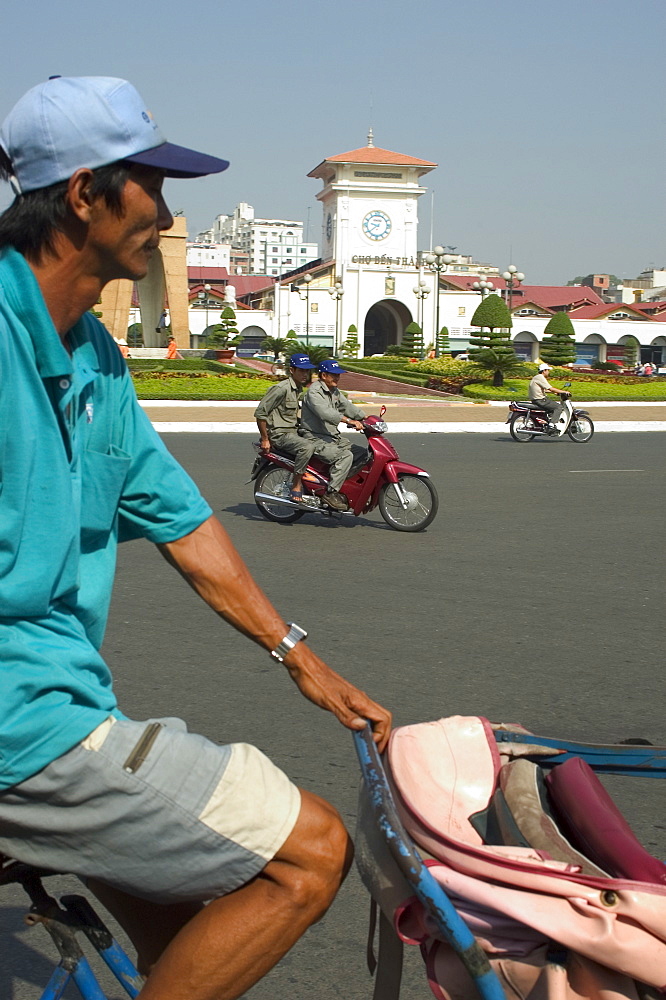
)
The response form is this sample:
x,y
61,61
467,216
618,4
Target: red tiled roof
x,y
547,296
375,155
650,308
603,312
196,273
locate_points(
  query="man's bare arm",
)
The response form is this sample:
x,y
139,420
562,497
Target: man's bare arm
x,y
208,560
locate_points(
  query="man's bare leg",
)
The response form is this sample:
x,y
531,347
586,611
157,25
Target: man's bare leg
x,y
227,946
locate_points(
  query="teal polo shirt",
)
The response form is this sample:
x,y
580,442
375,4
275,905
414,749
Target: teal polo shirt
x,y
81,468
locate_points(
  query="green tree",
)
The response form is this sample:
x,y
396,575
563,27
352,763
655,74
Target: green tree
x,y
349,349
443,344
225,333
278,345
135,335
559,345
631,352
412,342
493,350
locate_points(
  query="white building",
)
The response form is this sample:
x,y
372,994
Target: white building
x,y
371,270
209,255
274,245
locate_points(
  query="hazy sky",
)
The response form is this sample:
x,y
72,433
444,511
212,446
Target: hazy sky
x,y
546,118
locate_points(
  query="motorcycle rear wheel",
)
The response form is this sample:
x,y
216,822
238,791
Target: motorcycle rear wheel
x,y
422,503
277,482
517,428
580,429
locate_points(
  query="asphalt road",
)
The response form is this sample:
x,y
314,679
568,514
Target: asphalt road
x,y
537,595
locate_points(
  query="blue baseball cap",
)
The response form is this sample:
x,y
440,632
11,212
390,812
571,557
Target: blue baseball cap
x,y
332,367
300,361
89,121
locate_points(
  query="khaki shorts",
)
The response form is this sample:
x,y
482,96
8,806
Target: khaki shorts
x,y
153,810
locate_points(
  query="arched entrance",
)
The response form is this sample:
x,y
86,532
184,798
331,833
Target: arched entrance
x,y
252,340
385,324
526,346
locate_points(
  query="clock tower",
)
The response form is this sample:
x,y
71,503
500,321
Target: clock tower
x,y
369,202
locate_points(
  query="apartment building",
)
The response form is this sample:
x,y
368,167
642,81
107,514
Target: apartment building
x,y
273,246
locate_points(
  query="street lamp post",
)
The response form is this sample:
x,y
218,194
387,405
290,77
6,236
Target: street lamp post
x,y
336,293
438,262
203,295
307,278
483,286
421,291
513,277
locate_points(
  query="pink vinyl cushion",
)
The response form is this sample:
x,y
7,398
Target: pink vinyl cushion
x,y
597,826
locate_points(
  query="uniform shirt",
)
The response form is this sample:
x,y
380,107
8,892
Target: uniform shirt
x,y
279,406
323,409
538,386
80,469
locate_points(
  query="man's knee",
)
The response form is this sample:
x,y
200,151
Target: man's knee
x,y
315,858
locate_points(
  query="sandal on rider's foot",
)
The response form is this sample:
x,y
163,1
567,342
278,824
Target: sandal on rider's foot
x,y
296,496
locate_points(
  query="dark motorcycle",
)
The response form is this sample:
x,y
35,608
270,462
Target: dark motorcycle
x,y
528,420
405,495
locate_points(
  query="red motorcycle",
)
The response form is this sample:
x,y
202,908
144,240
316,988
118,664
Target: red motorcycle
x,y
405,495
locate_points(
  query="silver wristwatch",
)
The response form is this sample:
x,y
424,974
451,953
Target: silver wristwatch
x,y
294,635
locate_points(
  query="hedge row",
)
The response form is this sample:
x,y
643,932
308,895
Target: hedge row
x,y
177,365
231,387
590,391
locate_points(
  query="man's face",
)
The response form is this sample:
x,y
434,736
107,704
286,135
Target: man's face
x,y
301,376
123,245
329,379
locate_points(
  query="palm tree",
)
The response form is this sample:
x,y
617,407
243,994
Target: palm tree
x,y
278,345
493,350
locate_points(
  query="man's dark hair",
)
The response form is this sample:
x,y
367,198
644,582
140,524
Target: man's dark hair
x,y
32,220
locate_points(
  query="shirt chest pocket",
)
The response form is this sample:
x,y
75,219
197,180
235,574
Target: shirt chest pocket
x,y
102,480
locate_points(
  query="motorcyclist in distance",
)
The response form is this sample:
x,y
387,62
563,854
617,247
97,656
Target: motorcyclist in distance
x,y
324,408
277,418
539,386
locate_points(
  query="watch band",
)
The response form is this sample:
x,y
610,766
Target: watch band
x,y
294,635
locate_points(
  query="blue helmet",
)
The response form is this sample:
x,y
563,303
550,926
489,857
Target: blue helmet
x,y
331,366
300,361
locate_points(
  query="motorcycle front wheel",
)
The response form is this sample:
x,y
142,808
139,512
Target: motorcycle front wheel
x,y
277,482
519,427
421,503
580,429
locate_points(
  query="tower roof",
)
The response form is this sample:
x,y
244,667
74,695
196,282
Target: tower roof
x,y
374,155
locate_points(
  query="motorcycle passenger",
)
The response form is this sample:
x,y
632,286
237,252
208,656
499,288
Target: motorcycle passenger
x,y
539,386
277,419
324,408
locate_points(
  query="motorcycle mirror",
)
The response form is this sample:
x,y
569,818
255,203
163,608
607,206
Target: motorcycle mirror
x,y
382,412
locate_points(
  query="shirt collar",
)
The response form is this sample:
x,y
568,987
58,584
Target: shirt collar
x,y
25,297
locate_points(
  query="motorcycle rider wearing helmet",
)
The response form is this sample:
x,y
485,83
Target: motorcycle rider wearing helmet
x,y
277,419
539,386
324,408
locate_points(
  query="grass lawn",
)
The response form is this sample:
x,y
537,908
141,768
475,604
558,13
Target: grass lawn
x,y
653,390
200,388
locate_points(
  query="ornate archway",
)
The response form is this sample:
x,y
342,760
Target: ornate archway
x,y
385,323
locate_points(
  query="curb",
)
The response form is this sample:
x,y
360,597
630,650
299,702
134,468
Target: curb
x,y
415,427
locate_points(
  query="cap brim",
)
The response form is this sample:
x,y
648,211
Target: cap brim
x,y
292,365
179,161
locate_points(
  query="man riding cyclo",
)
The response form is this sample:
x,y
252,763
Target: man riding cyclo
x,y
324,409
209,856
277,418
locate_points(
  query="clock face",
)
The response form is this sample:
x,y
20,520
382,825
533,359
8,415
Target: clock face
x,y
376,225
329,226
